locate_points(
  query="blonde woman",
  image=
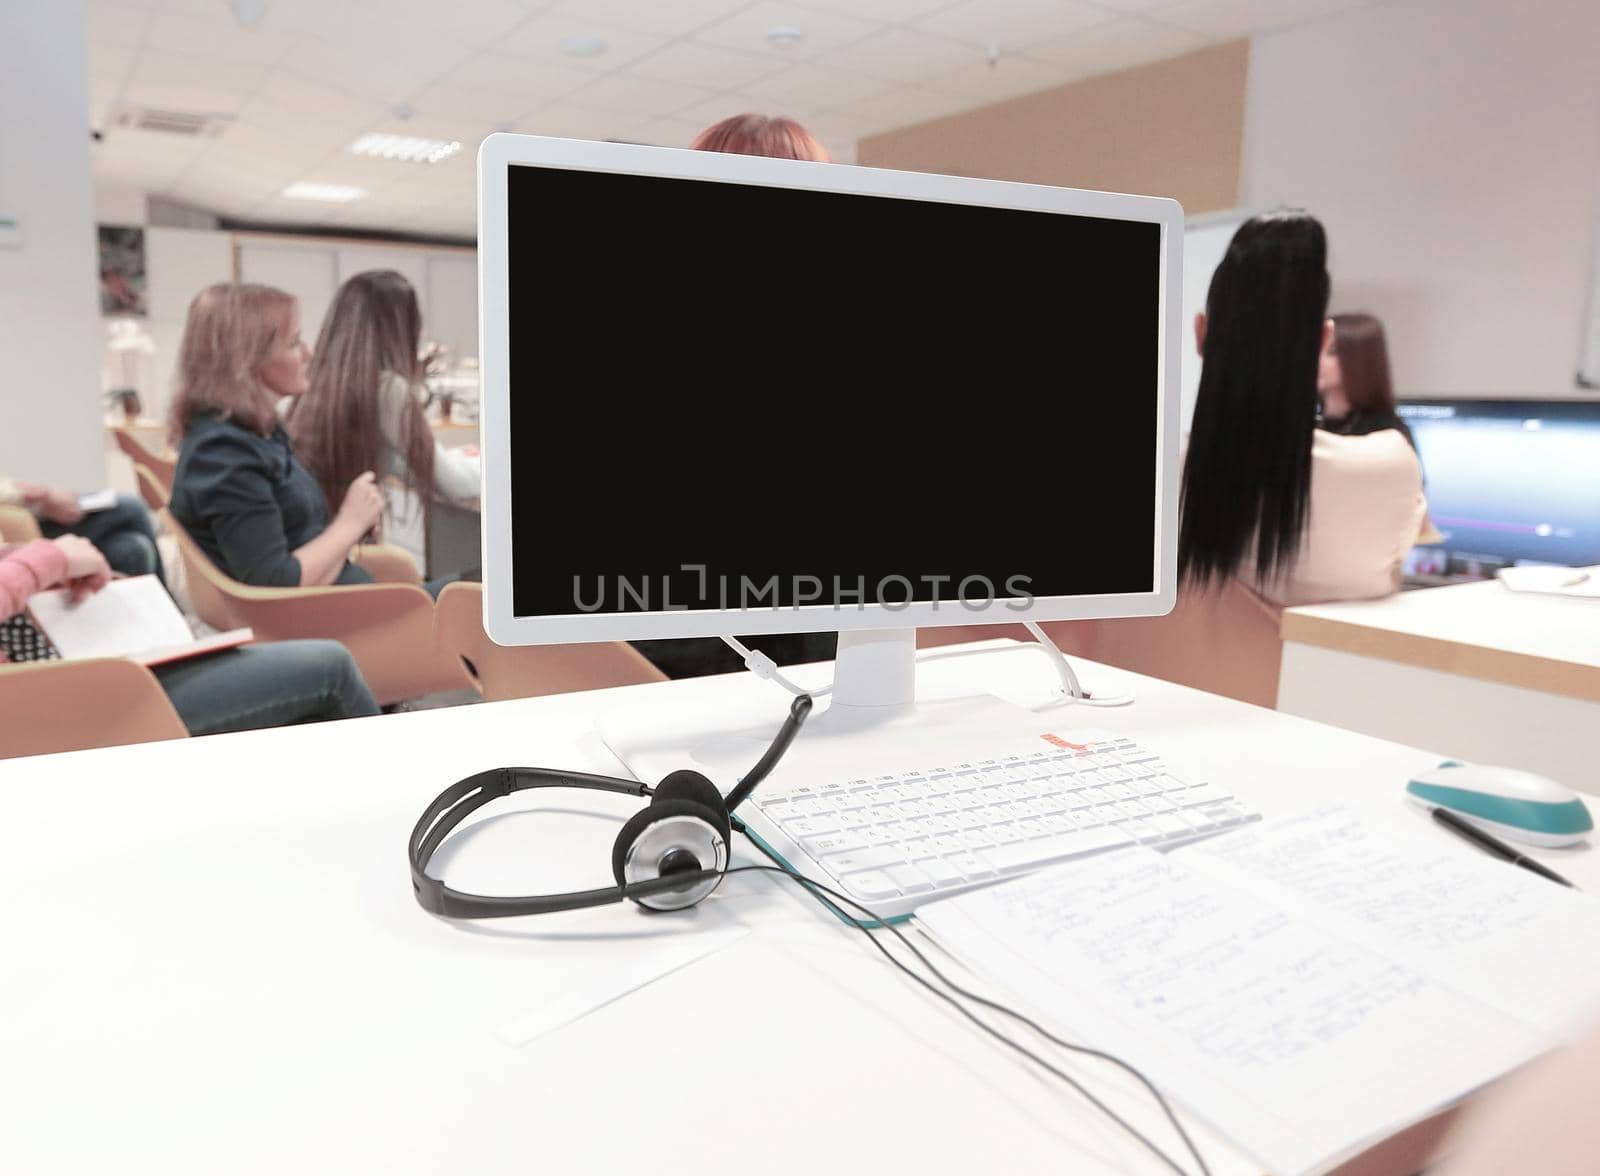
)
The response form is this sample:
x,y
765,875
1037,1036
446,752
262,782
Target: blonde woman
x,y
238,490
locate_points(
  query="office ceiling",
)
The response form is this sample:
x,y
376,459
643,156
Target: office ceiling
x,y
296,81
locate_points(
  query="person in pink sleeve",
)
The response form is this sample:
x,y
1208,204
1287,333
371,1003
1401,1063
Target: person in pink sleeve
x,y
235,690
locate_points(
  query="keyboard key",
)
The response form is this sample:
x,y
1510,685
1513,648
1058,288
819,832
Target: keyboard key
x,y
820,847
973,866
941,871
870,884
854,861
807,827
1010,859
908,878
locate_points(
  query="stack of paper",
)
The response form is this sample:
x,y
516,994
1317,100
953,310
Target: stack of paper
x,y
1306,985
133,618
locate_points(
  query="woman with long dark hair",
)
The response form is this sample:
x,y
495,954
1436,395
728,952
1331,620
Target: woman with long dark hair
x,y
1300,514
364,408
1354,382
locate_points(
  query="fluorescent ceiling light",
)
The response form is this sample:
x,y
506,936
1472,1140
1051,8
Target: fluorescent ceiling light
x,y
332,193
409,148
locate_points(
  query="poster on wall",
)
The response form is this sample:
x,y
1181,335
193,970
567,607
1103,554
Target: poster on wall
x,y
122,277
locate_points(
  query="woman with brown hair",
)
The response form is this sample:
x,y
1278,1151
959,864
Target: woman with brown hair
x,y
757,134
364,408
238,489
1354,382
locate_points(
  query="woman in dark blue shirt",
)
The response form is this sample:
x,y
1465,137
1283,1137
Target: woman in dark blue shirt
x,y
238,489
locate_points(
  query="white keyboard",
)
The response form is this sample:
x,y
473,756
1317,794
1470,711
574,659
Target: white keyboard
x,y
896,841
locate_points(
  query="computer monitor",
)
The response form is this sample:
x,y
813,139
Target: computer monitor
x,y
729,395
1508,482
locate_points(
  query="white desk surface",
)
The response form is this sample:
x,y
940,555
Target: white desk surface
x,y
1537,640
213,963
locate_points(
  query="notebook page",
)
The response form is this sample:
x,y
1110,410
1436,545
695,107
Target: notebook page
x,y
1506,937
126,616
1299,1046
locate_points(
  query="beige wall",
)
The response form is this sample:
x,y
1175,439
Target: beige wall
x,y
1172,128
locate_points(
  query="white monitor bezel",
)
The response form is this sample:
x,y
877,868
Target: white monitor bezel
x,y
499,152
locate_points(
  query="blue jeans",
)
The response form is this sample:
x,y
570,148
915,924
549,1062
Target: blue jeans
x,y
269,685
125,535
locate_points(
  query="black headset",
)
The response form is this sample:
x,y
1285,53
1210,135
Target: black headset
x,y
669,855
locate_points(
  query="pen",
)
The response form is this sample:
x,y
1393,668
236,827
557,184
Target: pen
x,y
1470,832
1580,578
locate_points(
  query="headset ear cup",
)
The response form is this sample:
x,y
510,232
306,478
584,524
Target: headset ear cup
x,y
660,810
692,786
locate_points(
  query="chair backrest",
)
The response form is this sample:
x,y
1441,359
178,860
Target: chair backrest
x,y
17,525
209,586
498,672
70,705
156,494
164,469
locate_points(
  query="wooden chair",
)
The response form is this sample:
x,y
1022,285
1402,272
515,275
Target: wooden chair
x,y
162,469
71,705
497,672
17,525
386,626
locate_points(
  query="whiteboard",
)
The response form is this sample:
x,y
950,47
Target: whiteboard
x,y
1205,241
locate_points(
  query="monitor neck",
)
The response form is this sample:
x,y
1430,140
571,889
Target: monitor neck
x,y
874,679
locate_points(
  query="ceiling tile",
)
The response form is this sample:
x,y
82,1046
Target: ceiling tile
x,y
488,106
903,107
390,72
641,97
667,18
823,31
313,101
726,105
901,55
541,36
1119,45
189,99
1007,77
1236,18
478,23
110,64
543,81
663,132
217,38
1138,6
563,121
168,69
115,23
884,11
708,66
815,87
1015,24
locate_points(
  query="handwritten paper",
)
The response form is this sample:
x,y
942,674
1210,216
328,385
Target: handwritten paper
x,y
1270,1002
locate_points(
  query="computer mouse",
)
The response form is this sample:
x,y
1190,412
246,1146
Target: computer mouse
x,y
1506,802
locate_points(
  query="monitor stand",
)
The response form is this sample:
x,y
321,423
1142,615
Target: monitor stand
x,y
873,722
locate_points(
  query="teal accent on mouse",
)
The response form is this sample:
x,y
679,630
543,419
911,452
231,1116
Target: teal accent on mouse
x,y
1506,802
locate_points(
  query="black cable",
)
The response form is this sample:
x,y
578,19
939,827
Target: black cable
x,y
817,890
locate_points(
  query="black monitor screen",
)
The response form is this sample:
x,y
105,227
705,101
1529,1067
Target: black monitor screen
x,y
1511,481
728,395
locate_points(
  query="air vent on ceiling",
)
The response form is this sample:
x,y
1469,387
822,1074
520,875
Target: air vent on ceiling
x,y
171,122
